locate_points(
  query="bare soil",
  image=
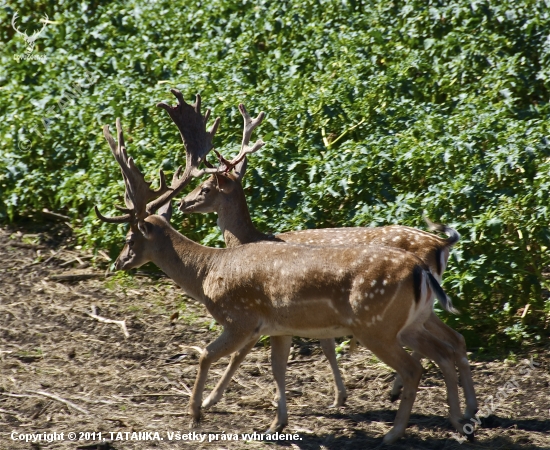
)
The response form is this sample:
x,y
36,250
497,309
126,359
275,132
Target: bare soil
x,y
63,370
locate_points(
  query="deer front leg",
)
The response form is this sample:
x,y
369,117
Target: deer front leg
x,y
229,342
340,393
280,349
236,360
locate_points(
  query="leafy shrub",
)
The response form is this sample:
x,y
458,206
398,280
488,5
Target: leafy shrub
x,y
377,112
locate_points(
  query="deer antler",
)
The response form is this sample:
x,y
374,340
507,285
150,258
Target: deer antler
x,y
140,199
197,142
138,191
248,127
191,123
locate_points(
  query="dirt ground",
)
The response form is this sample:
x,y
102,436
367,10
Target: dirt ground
x,y
63,370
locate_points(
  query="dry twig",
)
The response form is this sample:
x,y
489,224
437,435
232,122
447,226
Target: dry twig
x,y
74,276
120,323
62,400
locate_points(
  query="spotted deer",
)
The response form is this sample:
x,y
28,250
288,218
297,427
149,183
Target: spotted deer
x,y
381,295
223,194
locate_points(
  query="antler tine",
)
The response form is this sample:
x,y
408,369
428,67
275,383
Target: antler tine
x,y
249,124
138,191
120,137
118,219
246,150
197,141
248,127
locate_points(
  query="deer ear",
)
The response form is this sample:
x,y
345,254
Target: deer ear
x,y
166,211
240,169
144,228
225,184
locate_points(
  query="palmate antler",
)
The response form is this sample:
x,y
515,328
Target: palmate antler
x,y
138,191
141,201
197,142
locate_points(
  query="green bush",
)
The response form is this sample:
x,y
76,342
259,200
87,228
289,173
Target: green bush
x,y
377,112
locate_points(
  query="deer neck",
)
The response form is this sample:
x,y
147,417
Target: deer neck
x,y
184,261
235,222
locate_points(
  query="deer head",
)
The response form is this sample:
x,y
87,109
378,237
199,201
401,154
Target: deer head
x,y
207,196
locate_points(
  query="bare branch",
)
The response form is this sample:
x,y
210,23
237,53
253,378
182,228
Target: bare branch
x,y
62,400
120,323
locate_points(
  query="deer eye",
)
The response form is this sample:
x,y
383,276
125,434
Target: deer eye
x,y
129,242
205,190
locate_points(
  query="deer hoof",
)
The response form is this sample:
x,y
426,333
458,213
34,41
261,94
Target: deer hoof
x,y
470,436
195,420
275,428
339,402
394,397
393,435
208,402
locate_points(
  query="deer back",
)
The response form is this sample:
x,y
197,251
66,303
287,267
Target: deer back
x,y
430,248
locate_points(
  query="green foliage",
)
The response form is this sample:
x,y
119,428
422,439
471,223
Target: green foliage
x,y
376,113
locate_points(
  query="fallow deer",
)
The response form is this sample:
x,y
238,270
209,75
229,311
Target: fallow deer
x,y
223,194
381,295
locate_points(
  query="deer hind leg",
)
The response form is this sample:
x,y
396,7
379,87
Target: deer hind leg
x,y
442,354
236,360
340,394
229,342
280,349
398,382
410,370
446,334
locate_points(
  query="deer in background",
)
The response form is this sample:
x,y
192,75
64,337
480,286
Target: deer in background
x,y
381,295
223,194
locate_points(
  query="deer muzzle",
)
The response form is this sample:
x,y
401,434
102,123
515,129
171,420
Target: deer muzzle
x,y
186,206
